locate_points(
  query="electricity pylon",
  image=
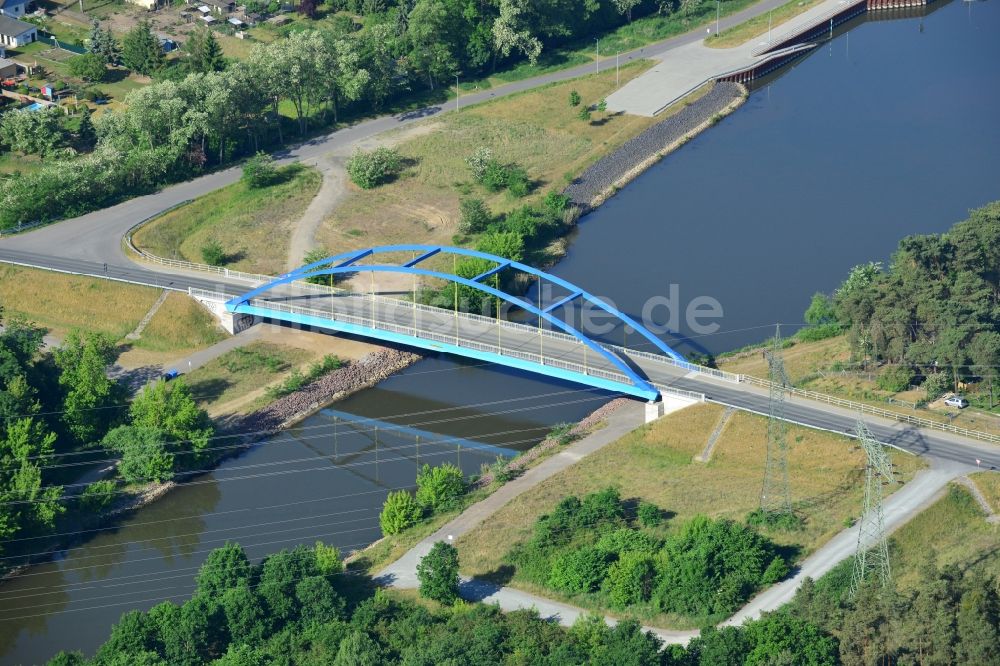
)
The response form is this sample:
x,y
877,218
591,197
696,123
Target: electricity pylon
x,y
872,558
774,495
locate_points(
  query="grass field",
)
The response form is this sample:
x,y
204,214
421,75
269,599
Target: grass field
x,y
62,302
758,25
239,373
655,463
537,129
953,530
989,485
252,224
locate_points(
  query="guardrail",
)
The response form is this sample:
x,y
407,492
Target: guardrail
x,y
865,408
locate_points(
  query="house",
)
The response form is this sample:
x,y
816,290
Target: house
x,y
14,33
14,8
148,4
8,69
219,7
166,43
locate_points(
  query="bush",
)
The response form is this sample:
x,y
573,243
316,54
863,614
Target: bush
x,y
89,67
579,571
369,170
631,580
475,217
438,574
584,114
97,496
439,487
627,540
937,385
574,98
495,177
895,378
399,512
213,254
649,514
518,183
259,171
478,162
555,202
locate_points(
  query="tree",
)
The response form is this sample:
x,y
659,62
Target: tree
x,y
399,512
145,454
511,31
203,51
89,67
345,80
439,487
25,502
301,62
574,98
781,638
977,622
90,395
307,8
103,44
432,29
169,408
625,7
225,568
579,571
86,135
259,171
506,244
631,579
141,51
438,574
357,649
985,352
474,216
33,132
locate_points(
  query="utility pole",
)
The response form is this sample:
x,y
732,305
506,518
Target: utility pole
x,y
597,60
769,28
774,495
872,558
618,71
717,10
457,92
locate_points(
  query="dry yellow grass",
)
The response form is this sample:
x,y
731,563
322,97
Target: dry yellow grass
x,y
801,359
989,485
62,302
537,129
655,463
181,324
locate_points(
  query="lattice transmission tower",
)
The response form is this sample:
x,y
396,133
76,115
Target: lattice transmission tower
x,y
774,495
872,558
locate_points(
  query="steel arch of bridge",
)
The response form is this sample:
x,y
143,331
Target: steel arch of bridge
x,y
347,263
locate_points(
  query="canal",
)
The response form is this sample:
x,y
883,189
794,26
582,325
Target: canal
x,y
887,130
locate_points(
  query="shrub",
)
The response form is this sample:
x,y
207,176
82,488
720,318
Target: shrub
x,y
438,574
478,162
213,254
439,487
518,183
602,106
259,171
584,114
649,514
602,506
97,496
89,67
895,378
574,98
555,202
495,177
775,571
475,217
937,385
631,579
627,540
579,571
369,170
328,559
399,512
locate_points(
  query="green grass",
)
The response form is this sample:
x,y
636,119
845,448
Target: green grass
x,y
242,371
954,531
758,25
655,463
252,224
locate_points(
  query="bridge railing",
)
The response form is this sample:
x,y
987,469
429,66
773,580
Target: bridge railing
x,y
872,410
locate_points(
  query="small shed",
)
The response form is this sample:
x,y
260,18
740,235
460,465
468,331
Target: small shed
x,y
208,18
8,69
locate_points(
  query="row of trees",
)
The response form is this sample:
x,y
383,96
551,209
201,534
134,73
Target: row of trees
x,y
936,308
296,607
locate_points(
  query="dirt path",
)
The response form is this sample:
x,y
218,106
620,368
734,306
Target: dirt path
x,y
977,494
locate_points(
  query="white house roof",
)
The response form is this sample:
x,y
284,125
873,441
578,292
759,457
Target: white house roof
x,y
4,4
208,19
235,21
11,27
204,9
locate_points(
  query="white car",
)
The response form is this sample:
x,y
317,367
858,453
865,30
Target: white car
x,y
957,401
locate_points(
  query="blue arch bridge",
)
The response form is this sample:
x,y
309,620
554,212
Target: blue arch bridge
x,y
547,344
